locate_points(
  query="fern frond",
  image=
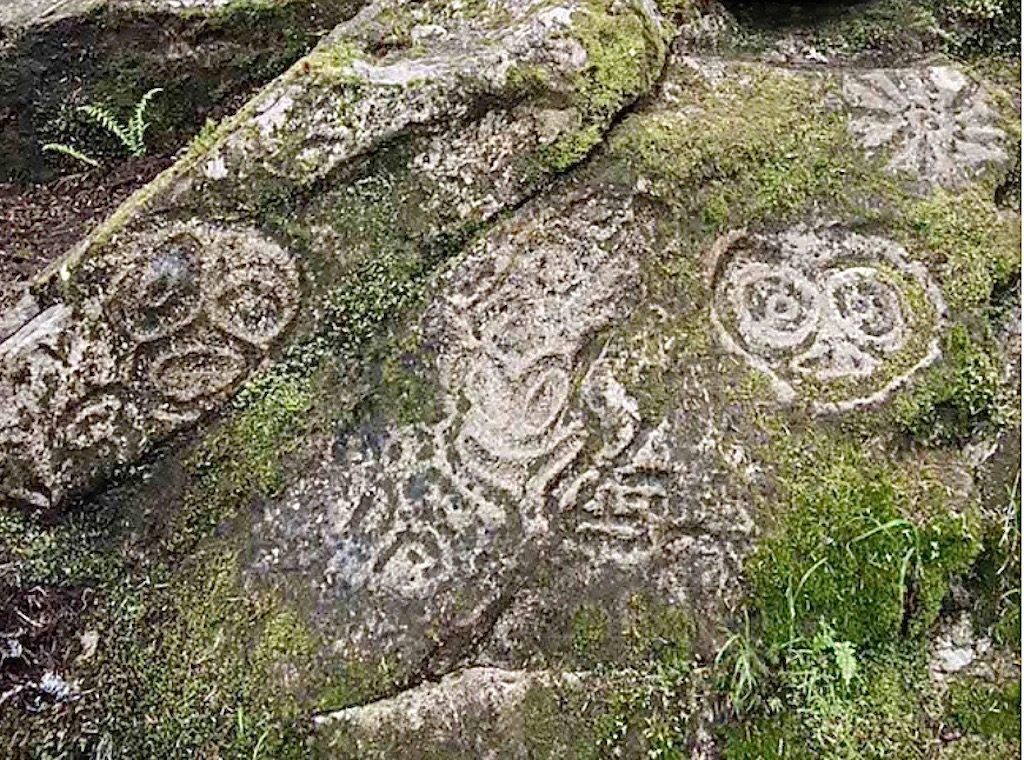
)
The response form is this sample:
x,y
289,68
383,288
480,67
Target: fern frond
x,y
67,150
138,125
109,122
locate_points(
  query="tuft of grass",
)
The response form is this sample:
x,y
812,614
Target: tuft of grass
x,y
844,553
879,712
830,661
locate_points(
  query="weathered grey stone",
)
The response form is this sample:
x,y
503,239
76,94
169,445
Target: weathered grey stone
x,y
474,712
15,14
844,318
415,528
956,647
423,534
621,375
414,540
936,124
174,301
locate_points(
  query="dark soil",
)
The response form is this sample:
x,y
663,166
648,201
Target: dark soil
x,y
36,625
783,13
39,222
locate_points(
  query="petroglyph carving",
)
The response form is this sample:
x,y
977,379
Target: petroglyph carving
x,y
935,122
255,302
826,309
187,312
190,294
159,293
425,513
515,335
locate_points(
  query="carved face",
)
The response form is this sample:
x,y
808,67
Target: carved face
x,y
199,303
824,313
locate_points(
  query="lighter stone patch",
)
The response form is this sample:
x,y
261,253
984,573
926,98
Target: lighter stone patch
x,y
411,525
400,73
935,124
813,307
216,168
956,647
187,313
274,114
459,700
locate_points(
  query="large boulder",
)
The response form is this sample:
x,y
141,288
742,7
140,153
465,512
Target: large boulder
x,y
235,250
531,379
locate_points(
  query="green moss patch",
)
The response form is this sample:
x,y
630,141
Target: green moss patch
x,y
845,552
959,397
979,707
751,148
844,587
637,698
978,249
878,710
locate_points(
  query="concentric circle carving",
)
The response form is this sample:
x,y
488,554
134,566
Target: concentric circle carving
x,y
837,318
201,304
159,293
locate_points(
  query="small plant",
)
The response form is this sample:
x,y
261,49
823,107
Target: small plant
x,y
744,667
131,134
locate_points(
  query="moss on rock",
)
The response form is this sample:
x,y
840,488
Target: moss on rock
x,y
959,397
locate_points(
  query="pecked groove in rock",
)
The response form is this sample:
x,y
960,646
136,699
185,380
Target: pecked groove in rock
x,y
428,527
156,318
412,541
408,539
845,318
936,123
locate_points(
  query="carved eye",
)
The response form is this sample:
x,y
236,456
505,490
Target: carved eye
x,y
867,309
776,307
254,302
196,371
160,293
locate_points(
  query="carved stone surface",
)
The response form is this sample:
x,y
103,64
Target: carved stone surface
x,y
406,524
832,317
177,327
165,313
539,449
935,124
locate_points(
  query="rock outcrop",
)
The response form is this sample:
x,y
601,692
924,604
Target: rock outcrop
x,y
521,378
171,304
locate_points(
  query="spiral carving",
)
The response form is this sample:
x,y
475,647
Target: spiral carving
x,y
201,303
824,312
